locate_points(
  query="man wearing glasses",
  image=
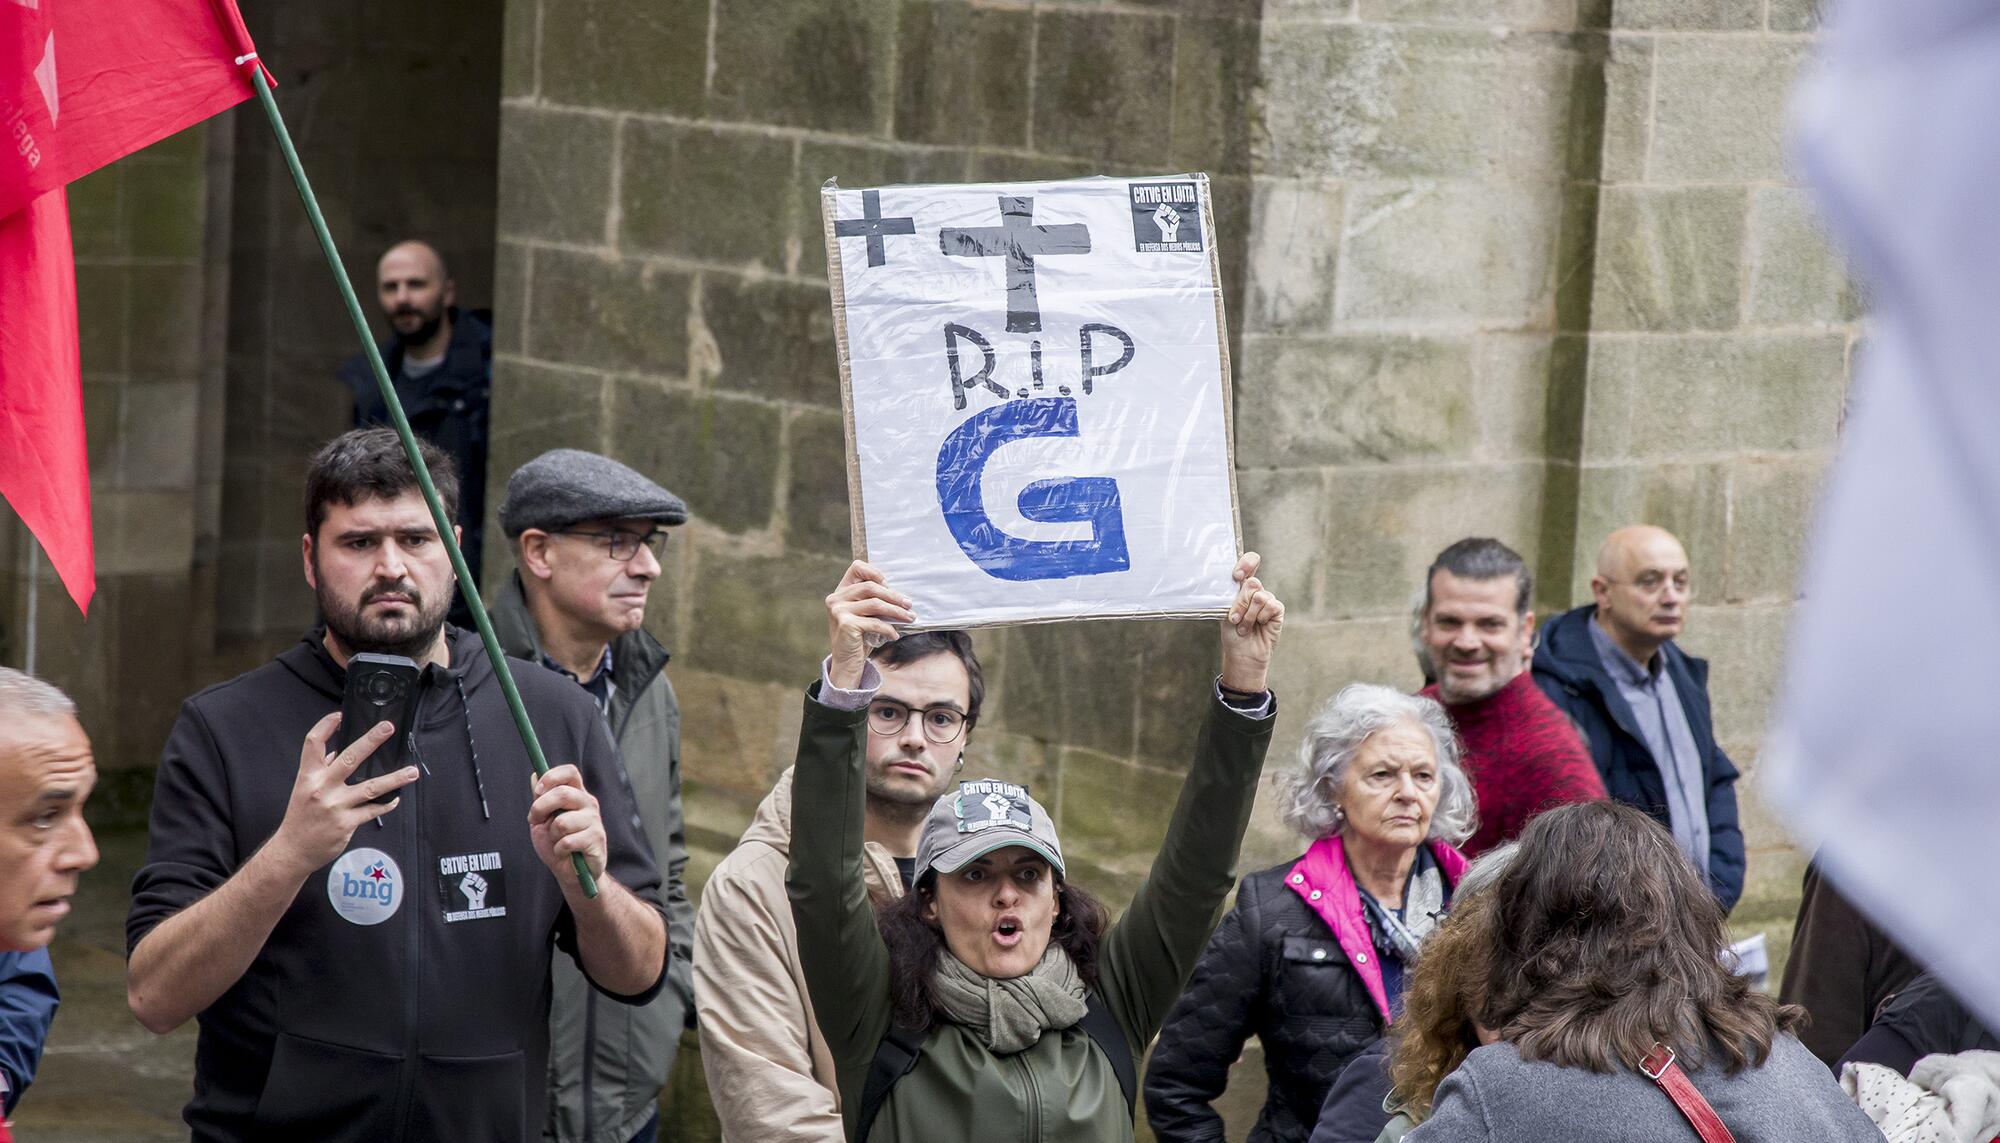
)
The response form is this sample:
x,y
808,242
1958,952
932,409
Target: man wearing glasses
x,y
1642,703
770,1074
588,534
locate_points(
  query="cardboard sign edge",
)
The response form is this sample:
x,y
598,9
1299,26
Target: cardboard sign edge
x,y
857,520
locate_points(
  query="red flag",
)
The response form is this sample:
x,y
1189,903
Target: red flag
x,y
82,83
44,473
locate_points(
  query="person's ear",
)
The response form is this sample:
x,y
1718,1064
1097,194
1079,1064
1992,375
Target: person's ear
x,y
306,552
1528,629
1600,590
450,296
533,548
930,909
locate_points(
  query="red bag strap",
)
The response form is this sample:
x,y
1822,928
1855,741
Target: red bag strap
x,y
1659,1066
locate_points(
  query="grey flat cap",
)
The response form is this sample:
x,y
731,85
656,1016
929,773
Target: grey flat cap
x,y
566,486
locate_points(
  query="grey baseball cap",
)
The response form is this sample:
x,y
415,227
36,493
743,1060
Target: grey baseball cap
x,y
567,486
979,818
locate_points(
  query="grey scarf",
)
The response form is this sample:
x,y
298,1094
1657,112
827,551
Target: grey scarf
x,y
1423,910
1010,1015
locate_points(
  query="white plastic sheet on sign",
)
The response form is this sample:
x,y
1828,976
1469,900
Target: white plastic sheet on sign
x,y
1037,390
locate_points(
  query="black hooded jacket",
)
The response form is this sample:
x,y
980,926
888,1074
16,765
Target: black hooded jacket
x,y
427,1016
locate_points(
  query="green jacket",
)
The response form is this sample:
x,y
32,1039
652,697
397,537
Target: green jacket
x,y
608,1061
1061,1089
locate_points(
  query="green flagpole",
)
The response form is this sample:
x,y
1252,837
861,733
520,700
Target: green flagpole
x,y
402,423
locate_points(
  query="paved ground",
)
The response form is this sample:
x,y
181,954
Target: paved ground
x,y
104,1079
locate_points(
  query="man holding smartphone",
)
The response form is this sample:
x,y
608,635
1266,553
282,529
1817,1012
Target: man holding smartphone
x,y
367,970
588,535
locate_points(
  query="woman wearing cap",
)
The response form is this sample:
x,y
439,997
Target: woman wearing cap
x,y
1312,957
1009,1008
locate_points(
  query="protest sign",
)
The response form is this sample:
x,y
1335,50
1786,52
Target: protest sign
x,y
1035,379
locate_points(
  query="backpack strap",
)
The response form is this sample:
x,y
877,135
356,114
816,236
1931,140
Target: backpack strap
x,y
897,1056
1102,1028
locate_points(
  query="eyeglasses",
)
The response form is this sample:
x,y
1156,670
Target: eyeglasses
x,y
942,724
624,545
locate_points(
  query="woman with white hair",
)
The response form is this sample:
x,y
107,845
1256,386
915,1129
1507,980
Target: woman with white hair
x,y
1312,957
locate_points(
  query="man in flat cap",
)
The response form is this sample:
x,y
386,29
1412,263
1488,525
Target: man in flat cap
x,y
588,533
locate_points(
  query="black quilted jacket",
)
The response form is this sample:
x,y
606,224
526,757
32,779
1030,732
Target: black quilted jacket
x,y
1272,970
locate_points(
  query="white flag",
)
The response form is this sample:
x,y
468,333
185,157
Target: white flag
x,y
1886,751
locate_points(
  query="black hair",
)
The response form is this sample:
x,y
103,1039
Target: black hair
x,y
369,464
1481,558
924,644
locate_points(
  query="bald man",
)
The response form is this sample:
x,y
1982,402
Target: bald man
x,y
441,359
1642,703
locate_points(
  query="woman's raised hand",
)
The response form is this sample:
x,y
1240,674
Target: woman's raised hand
x,y
1250,630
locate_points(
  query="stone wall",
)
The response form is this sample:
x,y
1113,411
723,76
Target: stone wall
x,y
1529,268
151,285
1722,331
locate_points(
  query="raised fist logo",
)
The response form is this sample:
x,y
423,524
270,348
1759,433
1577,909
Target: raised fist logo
x,y
998,806
474,888
1168,220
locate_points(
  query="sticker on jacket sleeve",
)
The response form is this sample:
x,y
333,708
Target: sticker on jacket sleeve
x,y
365,886
473,886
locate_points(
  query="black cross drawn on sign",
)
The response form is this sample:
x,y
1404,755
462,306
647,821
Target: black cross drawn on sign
x,y
872,226
1020,240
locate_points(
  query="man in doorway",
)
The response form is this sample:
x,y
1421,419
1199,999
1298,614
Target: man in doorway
x,y
368,955
769,1071
441,360
1613,666
1521,752
588,534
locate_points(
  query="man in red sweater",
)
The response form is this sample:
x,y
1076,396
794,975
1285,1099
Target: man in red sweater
x,y
1521,751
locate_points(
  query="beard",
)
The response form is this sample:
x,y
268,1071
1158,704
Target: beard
x,y
425,330
1456,692
359,632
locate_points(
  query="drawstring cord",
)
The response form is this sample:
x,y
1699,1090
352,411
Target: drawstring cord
x,y
472,744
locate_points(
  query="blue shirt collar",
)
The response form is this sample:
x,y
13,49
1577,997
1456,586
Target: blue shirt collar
x,y
599,685
1621,665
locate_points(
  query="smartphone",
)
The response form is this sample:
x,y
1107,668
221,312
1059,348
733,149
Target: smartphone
x,y
379,687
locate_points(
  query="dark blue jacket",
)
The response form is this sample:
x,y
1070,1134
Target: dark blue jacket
x,y
27,1008
1568,671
